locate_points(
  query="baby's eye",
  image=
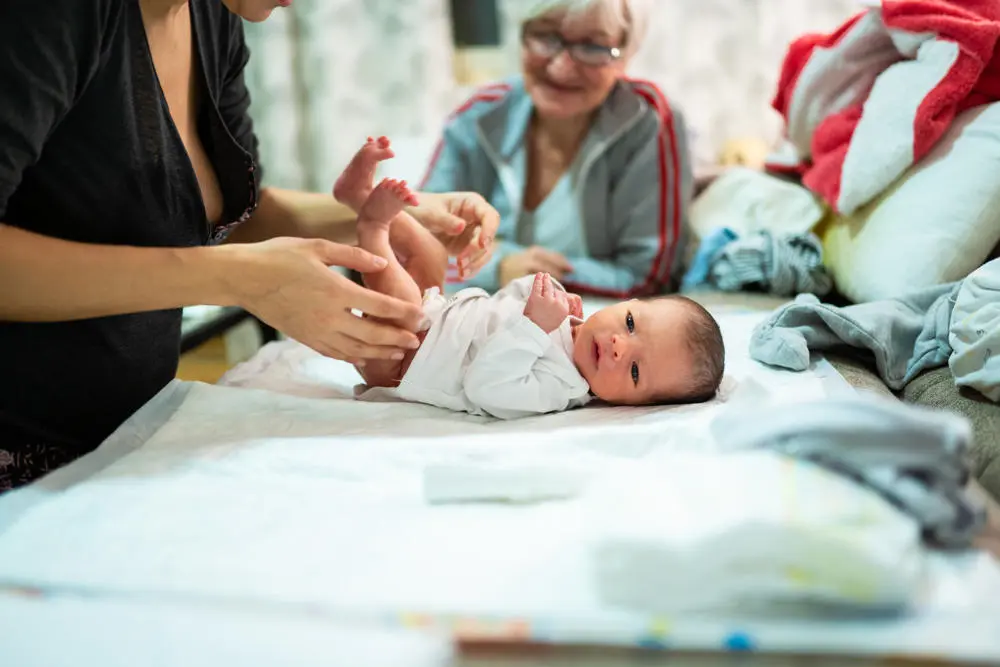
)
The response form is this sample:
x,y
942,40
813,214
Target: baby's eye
x,y
629,323
635,373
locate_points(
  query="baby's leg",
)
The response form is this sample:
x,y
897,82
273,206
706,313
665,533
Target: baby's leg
x,y
358,179
425,259
374,220
356,184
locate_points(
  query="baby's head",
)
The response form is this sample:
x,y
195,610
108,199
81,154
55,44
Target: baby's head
x,y
643,352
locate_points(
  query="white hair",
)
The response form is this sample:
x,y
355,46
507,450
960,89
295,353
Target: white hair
x,y
630,15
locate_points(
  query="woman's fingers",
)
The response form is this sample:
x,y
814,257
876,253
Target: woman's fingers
x,y
376,334
476,211
349,257
378,305
489,221
472,261
339,345
479,260
435,215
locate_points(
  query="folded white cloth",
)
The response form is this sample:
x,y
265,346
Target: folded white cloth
x,y
458,483
713,532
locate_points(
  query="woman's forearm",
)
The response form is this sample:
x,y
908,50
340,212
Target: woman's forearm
x,y
298,214
43,279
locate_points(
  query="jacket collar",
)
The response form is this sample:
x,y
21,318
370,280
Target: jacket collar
x,y
503,127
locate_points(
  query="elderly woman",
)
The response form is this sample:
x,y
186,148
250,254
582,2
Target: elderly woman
x,y
589,170
127,157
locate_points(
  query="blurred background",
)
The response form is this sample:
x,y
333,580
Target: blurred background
x,y
325,74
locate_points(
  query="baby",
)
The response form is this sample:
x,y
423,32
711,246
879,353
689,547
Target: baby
x,y
526,349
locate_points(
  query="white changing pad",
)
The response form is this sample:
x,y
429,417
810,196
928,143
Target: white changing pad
x,y
221,494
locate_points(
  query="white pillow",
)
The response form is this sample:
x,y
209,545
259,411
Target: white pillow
x,y
936,224
748,201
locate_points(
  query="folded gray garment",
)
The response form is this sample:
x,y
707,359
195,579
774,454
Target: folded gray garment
x,y
781,265
975,332
916,458
907,335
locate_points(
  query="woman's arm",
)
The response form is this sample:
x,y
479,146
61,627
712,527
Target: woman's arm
x,y
301,214
48,279
286,283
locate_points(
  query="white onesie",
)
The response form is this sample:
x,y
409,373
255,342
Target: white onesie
x,y
481,355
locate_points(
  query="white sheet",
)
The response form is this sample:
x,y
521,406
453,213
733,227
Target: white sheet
x,y
104,632
251,496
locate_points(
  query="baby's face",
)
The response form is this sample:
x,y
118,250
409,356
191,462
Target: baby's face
x,y
634,352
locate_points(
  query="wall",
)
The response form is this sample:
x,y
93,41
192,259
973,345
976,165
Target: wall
x,y
718,60
327,73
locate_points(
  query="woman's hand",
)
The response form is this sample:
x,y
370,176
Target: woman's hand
x,y
533,260
464,223
288,284
547,306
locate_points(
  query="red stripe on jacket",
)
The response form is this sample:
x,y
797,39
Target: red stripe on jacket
x,y
659,271
492,93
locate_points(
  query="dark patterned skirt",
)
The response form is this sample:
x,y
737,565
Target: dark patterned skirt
x,y
23,464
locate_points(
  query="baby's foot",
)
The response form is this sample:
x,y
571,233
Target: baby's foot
x,y
385,202
358,179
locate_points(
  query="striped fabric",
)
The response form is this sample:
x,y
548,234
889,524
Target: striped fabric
x,y
780,265
863,104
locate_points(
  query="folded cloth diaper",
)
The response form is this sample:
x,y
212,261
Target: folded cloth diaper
x,y
914,457
751,530
833,502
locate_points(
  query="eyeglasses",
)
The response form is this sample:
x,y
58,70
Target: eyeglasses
x,y
548,44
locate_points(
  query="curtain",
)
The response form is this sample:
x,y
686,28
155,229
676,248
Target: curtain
x,y
717,60
325,74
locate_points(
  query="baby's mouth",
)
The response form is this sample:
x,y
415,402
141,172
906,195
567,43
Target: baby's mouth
x,y
597,354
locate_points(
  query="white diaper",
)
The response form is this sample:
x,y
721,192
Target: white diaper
x,y
433,306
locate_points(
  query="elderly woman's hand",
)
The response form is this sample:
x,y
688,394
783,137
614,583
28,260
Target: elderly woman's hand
x,y
464,223
287,283
533,260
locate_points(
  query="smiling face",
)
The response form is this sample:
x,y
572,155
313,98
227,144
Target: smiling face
x,y
561,86
636,352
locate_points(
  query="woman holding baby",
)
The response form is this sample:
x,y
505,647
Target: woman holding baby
x,y
130,187
589,170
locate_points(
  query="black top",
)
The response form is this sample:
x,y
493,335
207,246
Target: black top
x,y
88,152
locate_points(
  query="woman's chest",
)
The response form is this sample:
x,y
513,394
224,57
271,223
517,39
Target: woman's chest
x,y
118,169
175,61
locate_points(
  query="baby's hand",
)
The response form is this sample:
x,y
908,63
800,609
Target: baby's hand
x,y
575,305
547,306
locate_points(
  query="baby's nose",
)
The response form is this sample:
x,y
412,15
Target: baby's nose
x,y
619,346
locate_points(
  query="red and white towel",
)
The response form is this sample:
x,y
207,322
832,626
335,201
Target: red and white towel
x,y
864,103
